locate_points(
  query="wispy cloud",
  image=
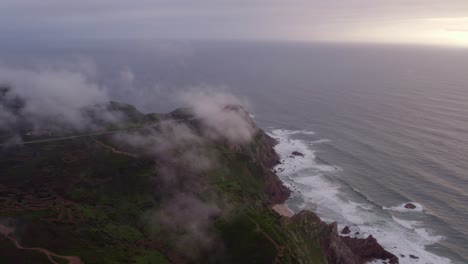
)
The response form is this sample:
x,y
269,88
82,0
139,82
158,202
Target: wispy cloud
x,y
49,92
182,150
223,114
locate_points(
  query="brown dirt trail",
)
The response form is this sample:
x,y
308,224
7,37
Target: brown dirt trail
x,y
7,231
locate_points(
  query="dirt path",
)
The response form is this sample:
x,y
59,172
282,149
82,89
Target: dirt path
x,y
7,231
100,133
278,247
115,150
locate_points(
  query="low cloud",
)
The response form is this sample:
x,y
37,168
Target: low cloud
x,y
7,118
189,217
182,216
223,114
185,214
165,140
50,93
181,149
127,76
58,96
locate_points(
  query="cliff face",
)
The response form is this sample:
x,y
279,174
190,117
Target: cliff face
x,y
167,190
335,248
264,153
309,238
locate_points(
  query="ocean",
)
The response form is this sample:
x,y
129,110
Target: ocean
x,y
379,126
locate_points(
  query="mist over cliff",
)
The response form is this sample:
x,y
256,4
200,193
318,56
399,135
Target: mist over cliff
x,y
69,101
194,184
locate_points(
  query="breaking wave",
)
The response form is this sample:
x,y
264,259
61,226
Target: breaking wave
x,y
317,186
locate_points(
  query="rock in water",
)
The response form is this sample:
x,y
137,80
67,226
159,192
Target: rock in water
x,y
410,206
297,153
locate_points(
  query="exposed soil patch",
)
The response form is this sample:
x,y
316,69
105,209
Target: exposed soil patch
x,y
7,231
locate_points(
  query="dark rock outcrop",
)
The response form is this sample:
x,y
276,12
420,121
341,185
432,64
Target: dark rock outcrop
x,y
368,249
336,250
345,230
342,250
268,157
297,153
410,206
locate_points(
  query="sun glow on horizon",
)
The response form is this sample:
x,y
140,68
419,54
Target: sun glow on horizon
x,y
446,31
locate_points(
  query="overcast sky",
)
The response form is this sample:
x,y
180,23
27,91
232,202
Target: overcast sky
x,y
441,22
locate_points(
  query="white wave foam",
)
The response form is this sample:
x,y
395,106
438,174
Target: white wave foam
x,y
378,261
335,202
320,141
403,209
292,163
418,228
284,132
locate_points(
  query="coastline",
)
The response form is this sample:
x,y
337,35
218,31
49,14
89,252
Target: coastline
x,y
308,175
335,247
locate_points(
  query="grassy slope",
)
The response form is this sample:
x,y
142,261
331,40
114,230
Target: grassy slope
x,y
243,183
91,203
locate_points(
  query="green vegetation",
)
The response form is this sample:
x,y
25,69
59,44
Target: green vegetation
x,y
150,257
79,198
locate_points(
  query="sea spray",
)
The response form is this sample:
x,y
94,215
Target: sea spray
x,y
318,186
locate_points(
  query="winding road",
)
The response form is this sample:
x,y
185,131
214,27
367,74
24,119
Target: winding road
x,y
99,133
7,231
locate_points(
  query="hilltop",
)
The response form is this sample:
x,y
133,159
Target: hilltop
x,y
190,186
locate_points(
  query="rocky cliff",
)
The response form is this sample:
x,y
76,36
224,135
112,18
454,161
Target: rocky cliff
x,y
160,188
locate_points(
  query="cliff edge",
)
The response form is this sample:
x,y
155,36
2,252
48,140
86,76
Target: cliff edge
x,y
185,187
